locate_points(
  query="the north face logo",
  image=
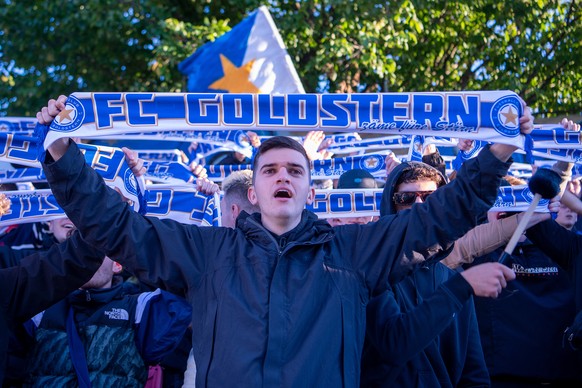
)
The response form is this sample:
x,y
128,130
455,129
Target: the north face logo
x,y
120,314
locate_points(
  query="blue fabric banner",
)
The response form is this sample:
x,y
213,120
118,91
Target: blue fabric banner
x,y
491,116
181,203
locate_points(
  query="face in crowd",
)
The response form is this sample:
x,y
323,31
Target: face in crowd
x,y
61,228
566,217
409,193
281,185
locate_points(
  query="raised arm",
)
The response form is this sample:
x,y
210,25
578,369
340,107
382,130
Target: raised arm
x,y
486,238
164,254
44,278
399,335
572,201
559,243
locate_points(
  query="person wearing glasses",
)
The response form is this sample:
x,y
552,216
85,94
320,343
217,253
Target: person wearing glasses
x,y
423,331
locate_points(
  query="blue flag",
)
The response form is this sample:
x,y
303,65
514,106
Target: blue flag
x,y
250,58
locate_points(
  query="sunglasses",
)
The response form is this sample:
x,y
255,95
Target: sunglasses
x,y
407,198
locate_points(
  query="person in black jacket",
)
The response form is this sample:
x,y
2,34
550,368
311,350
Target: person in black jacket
x,y
270,292
423,332
40,280
522,332
564,246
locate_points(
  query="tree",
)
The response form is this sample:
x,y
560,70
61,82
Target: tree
x,y
530,47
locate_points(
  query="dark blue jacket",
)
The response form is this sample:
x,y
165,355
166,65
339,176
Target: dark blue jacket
x,y
564,247
423,332
431,310
522,333
273,312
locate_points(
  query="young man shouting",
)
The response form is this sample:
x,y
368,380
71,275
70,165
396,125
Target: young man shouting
x,y
280,300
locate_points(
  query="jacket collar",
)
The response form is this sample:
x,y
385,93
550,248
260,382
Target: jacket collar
x,y
310,229
95,295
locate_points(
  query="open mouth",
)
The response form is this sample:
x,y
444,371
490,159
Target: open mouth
x,y
282,193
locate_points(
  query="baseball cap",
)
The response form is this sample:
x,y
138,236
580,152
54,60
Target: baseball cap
x,y
356,179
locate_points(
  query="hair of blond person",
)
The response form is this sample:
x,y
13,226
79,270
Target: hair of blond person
x,y
235,188
514,181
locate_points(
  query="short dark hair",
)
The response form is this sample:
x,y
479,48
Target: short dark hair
x,y
417,171
278,142
8,187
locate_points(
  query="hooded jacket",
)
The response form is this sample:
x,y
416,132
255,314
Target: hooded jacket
x,y
423,331
40,280
286,311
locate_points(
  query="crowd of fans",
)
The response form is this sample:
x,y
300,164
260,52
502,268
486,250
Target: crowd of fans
x,y
433,314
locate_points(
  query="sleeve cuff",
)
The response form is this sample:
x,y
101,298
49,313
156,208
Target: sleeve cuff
x,y
459,287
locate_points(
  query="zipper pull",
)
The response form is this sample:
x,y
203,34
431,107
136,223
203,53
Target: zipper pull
x,y
87,296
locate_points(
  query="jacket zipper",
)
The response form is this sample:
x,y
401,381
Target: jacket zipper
x,y
282,243
282,246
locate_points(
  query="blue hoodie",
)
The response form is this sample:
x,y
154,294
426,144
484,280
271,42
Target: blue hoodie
x,y
423,331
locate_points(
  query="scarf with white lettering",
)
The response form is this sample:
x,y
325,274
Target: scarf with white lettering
x,y
181,203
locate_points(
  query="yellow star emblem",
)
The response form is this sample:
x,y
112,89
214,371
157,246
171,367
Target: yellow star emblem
x,y
510,117
65,114
235,79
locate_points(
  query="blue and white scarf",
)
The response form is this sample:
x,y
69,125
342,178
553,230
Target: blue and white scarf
x,y
491,116
484,116
180,203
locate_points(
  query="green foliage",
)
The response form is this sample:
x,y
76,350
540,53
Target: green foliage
x,y
531,47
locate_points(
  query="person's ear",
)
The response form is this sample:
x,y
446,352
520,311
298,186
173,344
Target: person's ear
x,y
235,211
310,196
252,195
117,268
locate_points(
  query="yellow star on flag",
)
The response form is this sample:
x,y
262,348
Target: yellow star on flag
x,y
235,79
65,114
510,117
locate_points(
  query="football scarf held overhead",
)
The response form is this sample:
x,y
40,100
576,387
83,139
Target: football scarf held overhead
x,y
181,203
492,115
184,204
